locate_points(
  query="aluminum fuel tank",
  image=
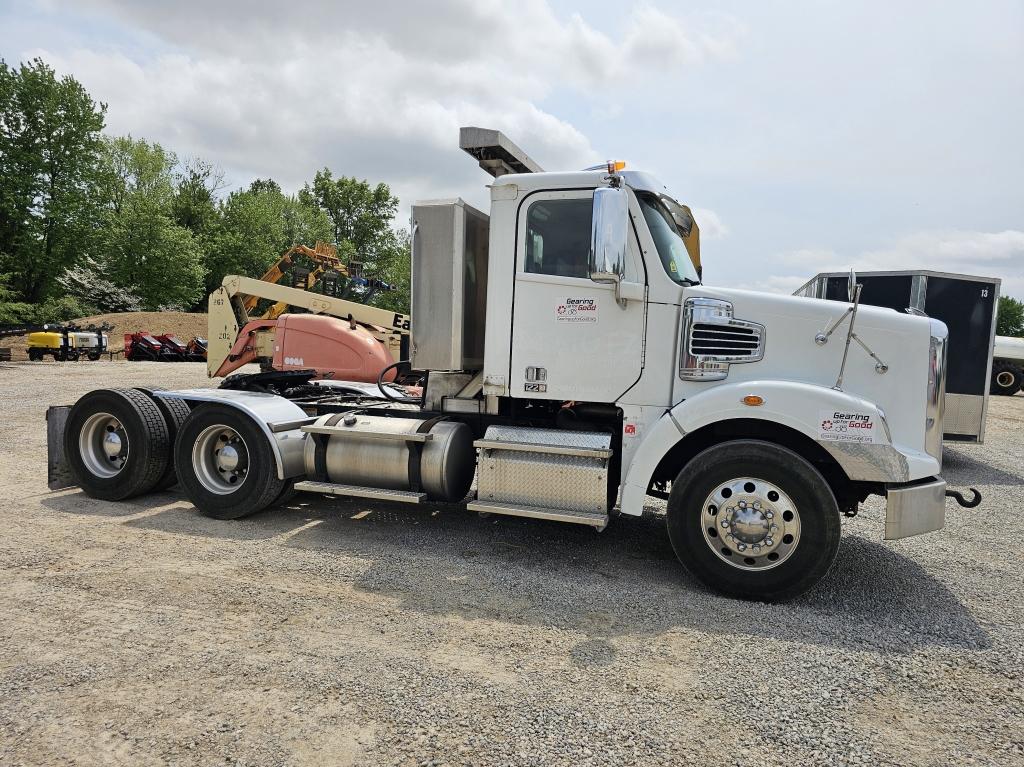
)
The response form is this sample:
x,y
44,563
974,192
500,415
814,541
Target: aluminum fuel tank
x,y
369,451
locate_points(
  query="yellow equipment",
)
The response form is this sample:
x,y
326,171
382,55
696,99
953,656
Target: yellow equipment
x,y
324,258
59,345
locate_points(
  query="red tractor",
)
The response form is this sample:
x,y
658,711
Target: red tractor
x,y
197,350
174,349
143,346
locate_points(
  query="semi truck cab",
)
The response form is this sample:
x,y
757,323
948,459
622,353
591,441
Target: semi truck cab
x,y
575,367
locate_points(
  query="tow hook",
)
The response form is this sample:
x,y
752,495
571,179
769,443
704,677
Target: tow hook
x,y
963,501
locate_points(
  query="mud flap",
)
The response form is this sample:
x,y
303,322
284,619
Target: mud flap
x,y
58,472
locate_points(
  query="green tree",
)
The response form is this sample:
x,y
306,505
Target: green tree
x,y
1010,317
362,218
360,215
12,311
258,225
140,247
393,266
49,150
195,198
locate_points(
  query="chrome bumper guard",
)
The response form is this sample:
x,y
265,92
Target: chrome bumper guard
x,y
915,508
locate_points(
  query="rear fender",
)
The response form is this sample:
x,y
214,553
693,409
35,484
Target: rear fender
x,y
269,412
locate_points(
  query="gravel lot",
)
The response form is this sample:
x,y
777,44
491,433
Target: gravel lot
x,y
348,632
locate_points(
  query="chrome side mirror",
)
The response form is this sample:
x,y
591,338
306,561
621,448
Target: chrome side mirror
x,y
609,230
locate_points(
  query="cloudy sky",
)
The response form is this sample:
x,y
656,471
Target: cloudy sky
x,y
807,137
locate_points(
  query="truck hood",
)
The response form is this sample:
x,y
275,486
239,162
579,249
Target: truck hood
x,y
901,342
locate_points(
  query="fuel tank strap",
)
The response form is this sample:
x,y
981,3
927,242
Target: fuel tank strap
x,y
416,454
320,449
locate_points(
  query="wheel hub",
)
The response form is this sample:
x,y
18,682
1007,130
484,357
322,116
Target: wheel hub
x,y
112,444
1004,379
220,459
228,458
103,445
751,523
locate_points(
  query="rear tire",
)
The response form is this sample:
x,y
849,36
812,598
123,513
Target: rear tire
x,y
1007,378
770,552
288,492
116,443
94,356
225,463
174,411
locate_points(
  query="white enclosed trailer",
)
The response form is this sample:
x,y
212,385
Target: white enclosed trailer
x,y
574,367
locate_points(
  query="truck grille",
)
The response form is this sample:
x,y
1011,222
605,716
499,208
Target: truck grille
x,y
715,340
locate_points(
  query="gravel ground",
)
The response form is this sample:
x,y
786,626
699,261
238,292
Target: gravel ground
x,y
349,632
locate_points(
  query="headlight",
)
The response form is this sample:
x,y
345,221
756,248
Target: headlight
x,y
935,404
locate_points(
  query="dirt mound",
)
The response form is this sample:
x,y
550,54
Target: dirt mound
x,y
181,324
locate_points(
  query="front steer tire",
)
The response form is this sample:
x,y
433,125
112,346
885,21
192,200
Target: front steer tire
x,y
103,421
776,478
205,468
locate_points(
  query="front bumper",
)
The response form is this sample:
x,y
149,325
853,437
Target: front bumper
x,y
915,508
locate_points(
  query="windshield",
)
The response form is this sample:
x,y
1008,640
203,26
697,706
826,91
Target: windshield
x,y
667,240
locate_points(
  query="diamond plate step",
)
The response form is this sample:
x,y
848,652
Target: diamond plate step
x,y
599,521
355,491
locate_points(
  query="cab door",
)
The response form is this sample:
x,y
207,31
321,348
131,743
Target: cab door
x,y
571,338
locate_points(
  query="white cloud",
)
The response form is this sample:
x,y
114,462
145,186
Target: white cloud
x,y
710,223
376,90
986,254
774,284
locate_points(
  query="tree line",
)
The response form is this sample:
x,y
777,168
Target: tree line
x,y
93,223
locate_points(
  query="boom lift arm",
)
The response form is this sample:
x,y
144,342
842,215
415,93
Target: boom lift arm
x,y
232,331
323,256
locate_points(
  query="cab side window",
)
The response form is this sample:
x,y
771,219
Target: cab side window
x,y
558,237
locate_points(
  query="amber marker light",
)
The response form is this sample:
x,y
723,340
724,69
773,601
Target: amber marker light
x,y
753,400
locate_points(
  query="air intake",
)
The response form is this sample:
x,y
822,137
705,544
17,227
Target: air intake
x,y
712,339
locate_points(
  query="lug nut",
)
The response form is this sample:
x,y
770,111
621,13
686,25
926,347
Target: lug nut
x,y
757,505
726,523
769,542
769,514
773,527
756,548
742,547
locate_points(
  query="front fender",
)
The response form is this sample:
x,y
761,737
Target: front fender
x,y
821,414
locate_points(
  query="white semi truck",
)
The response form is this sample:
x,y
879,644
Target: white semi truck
x,y
575,366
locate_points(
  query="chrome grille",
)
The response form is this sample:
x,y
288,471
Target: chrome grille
x,y
732,340
713,339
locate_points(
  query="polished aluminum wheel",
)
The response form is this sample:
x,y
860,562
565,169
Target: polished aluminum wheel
x,y
103,445
220,459
751,524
